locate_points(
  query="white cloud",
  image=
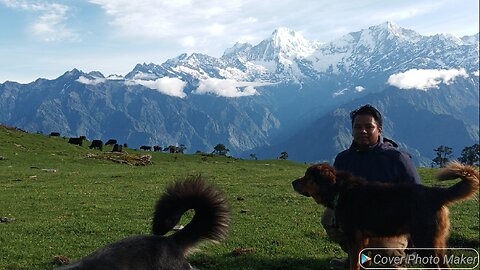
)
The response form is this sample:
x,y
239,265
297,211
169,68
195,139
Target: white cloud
x,y
95,81
216,24
344,91
227,87
340,92
49,24
424,79
477,73
188,42
166,85
216,29
359,88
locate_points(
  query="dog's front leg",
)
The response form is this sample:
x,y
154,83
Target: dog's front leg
x,y
357,244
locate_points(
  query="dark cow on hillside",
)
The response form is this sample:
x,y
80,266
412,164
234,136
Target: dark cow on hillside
x,y
117,148
76,141
111,142
157,148
54,134
97,144
146,148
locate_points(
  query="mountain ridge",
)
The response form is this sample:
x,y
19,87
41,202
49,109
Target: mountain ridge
x,y
259,96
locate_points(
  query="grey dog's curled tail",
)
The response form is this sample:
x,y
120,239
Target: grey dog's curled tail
x,y
211,218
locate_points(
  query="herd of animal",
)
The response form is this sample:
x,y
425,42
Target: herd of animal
x,y
98,144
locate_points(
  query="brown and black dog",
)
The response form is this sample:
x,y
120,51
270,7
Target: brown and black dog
x,y
364,209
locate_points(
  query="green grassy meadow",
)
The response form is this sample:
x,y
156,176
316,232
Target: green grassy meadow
x,y
65,203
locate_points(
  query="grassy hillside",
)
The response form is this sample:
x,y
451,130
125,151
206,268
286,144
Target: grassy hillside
x,y
60,201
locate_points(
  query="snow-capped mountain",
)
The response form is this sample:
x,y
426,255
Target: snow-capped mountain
x,y
259,97
286,56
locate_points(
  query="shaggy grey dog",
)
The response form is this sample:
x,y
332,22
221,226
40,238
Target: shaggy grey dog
x,y
161,252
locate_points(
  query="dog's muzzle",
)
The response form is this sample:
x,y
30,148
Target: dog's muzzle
x,y
298,187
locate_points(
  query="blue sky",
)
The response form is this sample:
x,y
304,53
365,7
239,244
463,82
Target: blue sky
x,y
43,39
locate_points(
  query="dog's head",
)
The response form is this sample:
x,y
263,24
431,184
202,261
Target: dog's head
x,y
318,183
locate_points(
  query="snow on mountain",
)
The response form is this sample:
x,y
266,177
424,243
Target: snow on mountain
x,y
238,47
361,51
269,91
286,56
470,40
115,77
274,58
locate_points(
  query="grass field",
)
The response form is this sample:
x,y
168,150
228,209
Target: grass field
x,y
60,201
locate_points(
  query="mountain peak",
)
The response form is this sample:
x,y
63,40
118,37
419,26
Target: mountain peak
x,y
284,37
97,74
391,30
238,47
389,25
74,73
143,71
284,33
448,38
471,40
286,43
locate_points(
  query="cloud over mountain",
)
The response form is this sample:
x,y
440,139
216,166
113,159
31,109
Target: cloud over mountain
x,y
166,85
424,79
94,81
226,88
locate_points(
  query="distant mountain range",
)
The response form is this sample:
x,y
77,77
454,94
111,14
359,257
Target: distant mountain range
x,y
284,94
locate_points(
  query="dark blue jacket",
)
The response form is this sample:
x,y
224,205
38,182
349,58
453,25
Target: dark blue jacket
x,y
380,163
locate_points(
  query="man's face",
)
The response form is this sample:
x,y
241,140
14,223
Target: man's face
x,y
365,130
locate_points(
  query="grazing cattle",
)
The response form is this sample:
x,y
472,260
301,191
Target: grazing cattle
x,y
117,148
146,148
54,134
157,148
97,144
111,142
76,141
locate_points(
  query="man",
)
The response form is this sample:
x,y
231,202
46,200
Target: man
x,y
376,159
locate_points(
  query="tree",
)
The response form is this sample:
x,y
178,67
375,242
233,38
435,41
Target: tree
x,y
220,150
471,155
171,149
444,153
253,156
175,149
181,148
283,155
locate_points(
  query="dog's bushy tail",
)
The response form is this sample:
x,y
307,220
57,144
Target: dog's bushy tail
x,y
211,218
464,189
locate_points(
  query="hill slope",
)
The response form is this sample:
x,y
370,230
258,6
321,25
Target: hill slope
x,y
79,204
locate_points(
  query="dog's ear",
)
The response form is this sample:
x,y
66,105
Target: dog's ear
x,y
324,173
